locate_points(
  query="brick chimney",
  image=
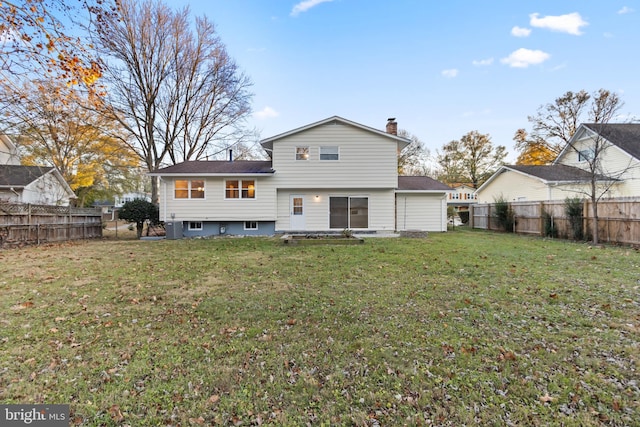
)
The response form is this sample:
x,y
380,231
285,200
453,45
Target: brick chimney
x,y
392,126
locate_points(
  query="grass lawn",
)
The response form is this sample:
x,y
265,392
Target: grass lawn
x,y
460,328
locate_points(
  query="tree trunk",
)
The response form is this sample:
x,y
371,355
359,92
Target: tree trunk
x,y
155,199
594,210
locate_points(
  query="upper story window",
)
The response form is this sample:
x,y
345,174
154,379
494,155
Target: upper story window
x,y
189,189
585,155
329,153
240,189
302,153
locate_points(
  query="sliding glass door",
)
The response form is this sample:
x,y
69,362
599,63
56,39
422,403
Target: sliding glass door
x,y
348,212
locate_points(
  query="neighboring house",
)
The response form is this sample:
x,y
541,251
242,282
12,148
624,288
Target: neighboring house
x,y
462,197
330,175
567,176
30,184
129,197
34,184
8,151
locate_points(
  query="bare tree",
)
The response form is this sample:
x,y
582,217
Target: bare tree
x,y
472,159
601,178
554,124
173,86
414,158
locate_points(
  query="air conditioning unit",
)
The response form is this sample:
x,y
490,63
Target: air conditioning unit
x,y
173,230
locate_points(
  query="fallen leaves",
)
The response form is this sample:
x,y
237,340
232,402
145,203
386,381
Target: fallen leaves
x,y
22,305
546,398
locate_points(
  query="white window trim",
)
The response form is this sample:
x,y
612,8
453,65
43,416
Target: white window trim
x,y
194,228
585,155
337,147
204,189
251,222
302,147
255,189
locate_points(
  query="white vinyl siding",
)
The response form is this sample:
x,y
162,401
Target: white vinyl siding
x,y
215,207
424,212
513,186
381,208
367,160
614,161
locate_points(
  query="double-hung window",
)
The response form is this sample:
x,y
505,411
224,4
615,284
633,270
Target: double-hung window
x,y
329,153
189,189
240,189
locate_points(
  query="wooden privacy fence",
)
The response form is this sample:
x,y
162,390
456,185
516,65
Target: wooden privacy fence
x,y
618,219
35,224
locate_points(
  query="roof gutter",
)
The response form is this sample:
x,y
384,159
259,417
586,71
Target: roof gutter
x,y
192,174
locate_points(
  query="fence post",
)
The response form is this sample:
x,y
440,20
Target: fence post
x,y
585,218
489,216
541,221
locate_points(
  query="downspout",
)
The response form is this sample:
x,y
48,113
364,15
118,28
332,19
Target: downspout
x,y
164,199
443,218
404,226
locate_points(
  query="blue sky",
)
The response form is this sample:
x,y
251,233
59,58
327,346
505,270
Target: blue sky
x,y
441,69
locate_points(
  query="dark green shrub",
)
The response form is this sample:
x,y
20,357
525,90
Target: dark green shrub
x,y
464,217
504,214
139,211
573,211
550,229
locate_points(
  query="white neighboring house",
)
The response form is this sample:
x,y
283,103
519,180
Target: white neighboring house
x,y
38,185
8,151
567,175
129,197
328,176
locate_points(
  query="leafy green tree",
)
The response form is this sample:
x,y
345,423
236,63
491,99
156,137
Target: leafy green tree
x,y
471,159
139,211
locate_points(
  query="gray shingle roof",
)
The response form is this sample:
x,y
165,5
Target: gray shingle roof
x,y
421,183
21,176
624,135
554,173
214,167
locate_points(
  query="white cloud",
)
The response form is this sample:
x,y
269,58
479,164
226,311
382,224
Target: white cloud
x,y
305,5
625,10
483,62
450,73
522,58
520,32
569,23
266,113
